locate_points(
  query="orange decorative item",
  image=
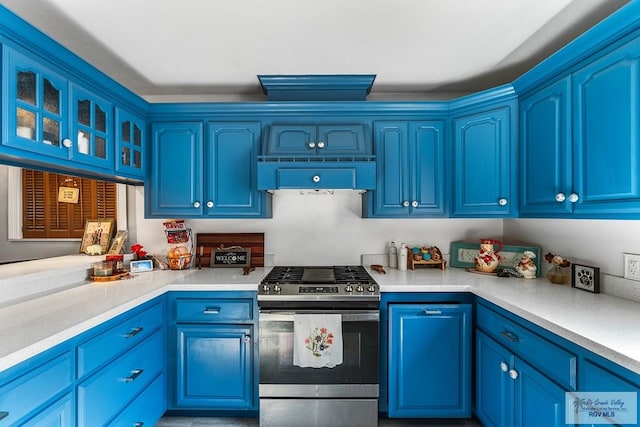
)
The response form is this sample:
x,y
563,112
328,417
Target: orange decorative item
x,y
487,259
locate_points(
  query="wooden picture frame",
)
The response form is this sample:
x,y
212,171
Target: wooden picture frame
x,y
97,236
462,254
118,241
585,277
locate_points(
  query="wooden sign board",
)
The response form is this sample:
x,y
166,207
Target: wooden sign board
x,y
231,258
68,194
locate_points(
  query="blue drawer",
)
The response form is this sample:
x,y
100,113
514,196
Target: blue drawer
x,y
545,356
103,395
33,389
146,409
97,351
213,310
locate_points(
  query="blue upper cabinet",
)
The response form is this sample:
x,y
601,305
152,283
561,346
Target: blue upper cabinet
x,y
325,140
545,138
175,187
580,141
231,170
410,170
35,107
216,178
606,133
484,167
131,144
92,129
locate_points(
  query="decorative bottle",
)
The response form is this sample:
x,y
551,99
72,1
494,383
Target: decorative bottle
x,y
402,257
393,255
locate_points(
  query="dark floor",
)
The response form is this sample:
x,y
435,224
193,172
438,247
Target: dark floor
x,y
253,422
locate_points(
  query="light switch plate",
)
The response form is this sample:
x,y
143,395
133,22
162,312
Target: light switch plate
x,y
632,266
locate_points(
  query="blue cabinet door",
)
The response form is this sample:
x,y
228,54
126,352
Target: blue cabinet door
x,y
324,140
91,129
231,170
214,366
429,360
606,128
545,138
34,107
175,187
494,387
538,400
59,414
410,162
484,163
131,144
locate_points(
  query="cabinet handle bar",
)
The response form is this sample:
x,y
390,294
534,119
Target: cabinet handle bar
x,y
510,336
134,374
135,331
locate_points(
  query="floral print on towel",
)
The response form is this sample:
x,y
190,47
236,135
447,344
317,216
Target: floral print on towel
x,y
318,341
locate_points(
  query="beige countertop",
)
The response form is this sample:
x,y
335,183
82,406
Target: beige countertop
x,y
604,324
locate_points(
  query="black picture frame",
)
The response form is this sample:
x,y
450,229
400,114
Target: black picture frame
x,y
585,277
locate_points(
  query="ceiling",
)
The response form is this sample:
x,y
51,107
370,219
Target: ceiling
x,y
210,50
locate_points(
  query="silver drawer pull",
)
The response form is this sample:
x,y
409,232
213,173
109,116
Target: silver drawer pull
x,y
510,336
432,312
134,374
135,331
138,424
3,415
211,310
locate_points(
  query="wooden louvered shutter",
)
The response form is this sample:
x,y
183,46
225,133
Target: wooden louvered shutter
x,y
45,217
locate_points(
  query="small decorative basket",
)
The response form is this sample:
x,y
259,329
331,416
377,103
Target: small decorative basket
x,y
180,262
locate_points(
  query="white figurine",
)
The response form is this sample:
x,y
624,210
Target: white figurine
x,y
526,266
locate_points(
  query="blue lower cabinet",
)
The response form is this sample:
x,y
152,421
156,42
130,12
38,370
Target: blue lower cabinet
x,y
59,414
215,367
146,409
429,360
510,392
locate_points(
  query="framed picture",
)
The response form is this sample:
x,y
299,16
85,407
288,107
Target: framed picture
x,y
97,236
585,277
118,242
462,254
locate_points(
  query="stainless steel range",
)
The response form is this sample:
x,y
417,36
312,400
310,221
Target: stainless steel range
x,y
342,394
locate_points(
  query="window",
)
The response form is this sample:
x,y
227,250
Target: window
x,y
36,213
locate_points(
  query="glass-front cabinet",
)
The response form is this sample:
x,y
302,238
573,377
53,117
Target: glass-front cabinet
x,y
36,106
130,145
92,129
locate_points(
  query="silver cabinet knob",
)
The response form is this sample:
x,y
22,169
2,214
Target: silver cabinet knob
x,y
560,197
316,178
573,197
209,204
503,202
311,145
67,143
513,374
320,144
414,203
405,203
196,204
504,367
247,338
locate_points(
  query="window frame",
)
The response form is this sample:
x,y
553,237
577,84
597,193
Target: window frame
x,y
14,209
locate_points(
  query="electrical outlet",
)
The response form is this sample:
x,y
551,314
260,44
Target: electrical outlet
x,y
632,266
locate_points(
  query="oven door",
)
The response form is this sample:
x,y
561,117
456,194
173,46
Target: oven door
x,y
357,376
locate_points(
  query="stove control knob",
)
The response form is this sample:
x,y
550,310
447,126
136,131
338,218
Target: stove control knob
x,y
360,288
348,288
276,288
371,288
265,288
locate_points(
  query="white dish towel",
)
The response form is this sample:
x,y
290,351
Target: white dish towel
x,y
317,340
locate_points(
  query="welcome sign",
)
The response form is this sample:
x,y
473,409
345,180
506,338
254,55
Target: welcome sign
x,y
231,257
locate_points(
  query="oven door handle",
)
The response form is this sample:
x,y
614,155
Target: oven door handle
x,y
281,316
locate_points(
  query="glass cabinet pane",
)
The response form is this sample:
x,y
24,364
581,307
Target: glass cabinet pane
x,y
26,123
137,159
84,139
137,136
101,147
101,119
84,112
126,156
51,132
51,98
126,131
27,87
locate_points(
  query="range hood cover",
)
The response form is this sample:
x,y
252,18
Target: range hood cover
x,y
315,87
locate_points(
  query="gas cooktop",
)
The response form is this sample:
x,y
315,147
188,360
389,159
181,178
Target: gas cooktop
x,y
337,283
